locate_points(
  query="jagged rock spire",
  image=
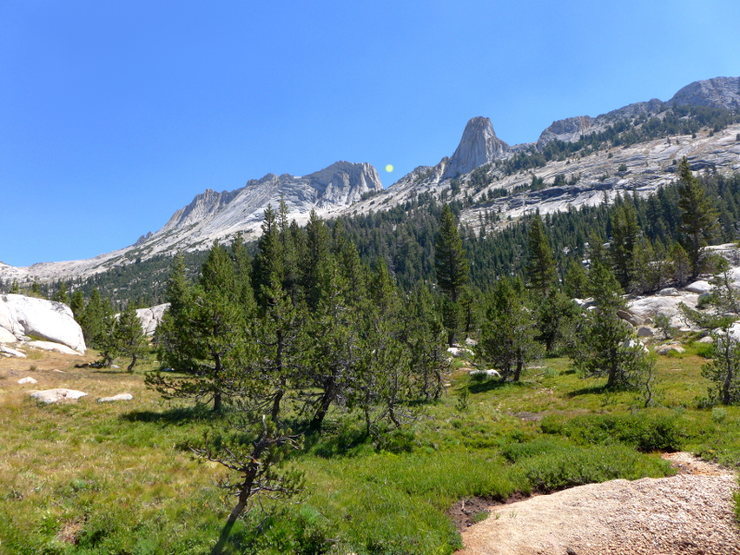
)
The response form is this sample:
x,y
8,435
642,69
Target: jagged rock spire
x,y
479,145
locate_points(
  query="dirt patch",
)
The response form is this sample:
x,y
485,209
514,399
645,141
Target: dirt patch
x,y
470,510
70,532
529,416
686,463
691,512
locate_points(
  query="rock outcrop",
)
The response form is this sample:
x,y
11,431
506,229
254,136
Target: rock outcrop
x,y
151,317
28,318
479,145
8,352
115,398
568,130
56,395
718,92
51,346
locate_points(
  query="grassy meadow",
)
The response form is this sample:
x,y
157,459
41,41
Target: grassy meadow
x,y
92,477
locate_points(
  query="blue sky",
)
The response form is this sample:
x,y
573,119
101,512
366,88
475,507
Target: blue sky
x,y
115,114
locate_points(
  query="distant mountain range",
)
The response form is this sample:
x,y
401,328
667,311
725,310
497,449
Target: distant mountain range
x,y
575,161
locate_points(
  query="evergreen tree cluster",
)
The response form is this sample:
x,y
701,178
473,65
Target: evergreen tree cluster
x,y
305,319
114,335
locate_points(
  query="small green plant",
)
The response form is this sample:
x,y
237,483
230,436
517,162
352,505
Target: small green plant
x,y
663,323
719,415
463,398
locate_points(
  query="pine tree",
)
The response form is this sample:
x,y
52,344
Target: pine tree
x,y
283,343
178,288
77,304
242,273
508,332
315,258
425,335
451,265
724,369
698,216
450,260
97,323
130,340
606,344
269,257
625,236
542,271
680,265
205,336
576,280
556,314
335,354
61,295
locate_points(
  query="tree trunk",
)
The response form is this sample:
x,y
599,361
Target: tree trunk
x,y
276,404
226,530
519,367
326,400
244,493
130,367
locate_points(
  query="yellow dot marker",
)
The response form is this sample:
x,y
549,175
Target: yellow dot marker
x,y
389,168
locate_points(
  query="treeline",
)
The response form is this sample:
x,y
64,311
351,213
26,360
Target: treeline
x,y
647,231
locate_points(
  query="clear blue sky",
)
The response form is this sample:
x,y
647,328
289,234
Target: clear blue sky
x,y
115,114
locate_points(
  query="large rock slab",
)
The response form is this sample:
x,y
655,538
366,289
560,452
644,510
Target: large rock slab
x,y
8,352
646,308
28,317
151,317
56,395
700,286
51,346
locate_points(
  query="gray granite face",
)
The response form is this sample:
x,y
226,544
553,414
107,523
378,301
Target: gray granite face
x,y
720,92
479,145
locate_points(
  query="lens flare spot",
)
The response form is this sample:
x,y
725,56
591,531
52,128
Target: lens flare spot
x,y
389,168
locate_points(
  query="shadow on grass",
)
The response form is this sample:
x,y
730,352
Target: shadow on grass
x,y
491,385
176,416
342,444
594,389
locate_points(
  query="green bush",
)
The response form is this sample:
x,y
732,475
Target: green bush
x,y
513,452
573,466
644,431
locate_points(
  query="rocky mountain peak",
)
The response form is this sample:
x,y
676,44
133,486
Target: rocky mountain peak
x,y
720,92
479,145
345,182
568,129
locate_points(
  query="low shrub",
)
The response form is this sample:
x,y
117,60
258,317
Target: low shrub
x,y
566,467
646,432
513,452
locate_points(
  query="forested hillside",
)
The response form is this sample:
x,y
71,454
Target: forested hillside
x,y
404,238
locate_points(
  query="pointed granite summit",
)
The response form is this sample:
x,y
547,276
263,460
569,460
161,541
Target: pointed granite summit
x,y
479,145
